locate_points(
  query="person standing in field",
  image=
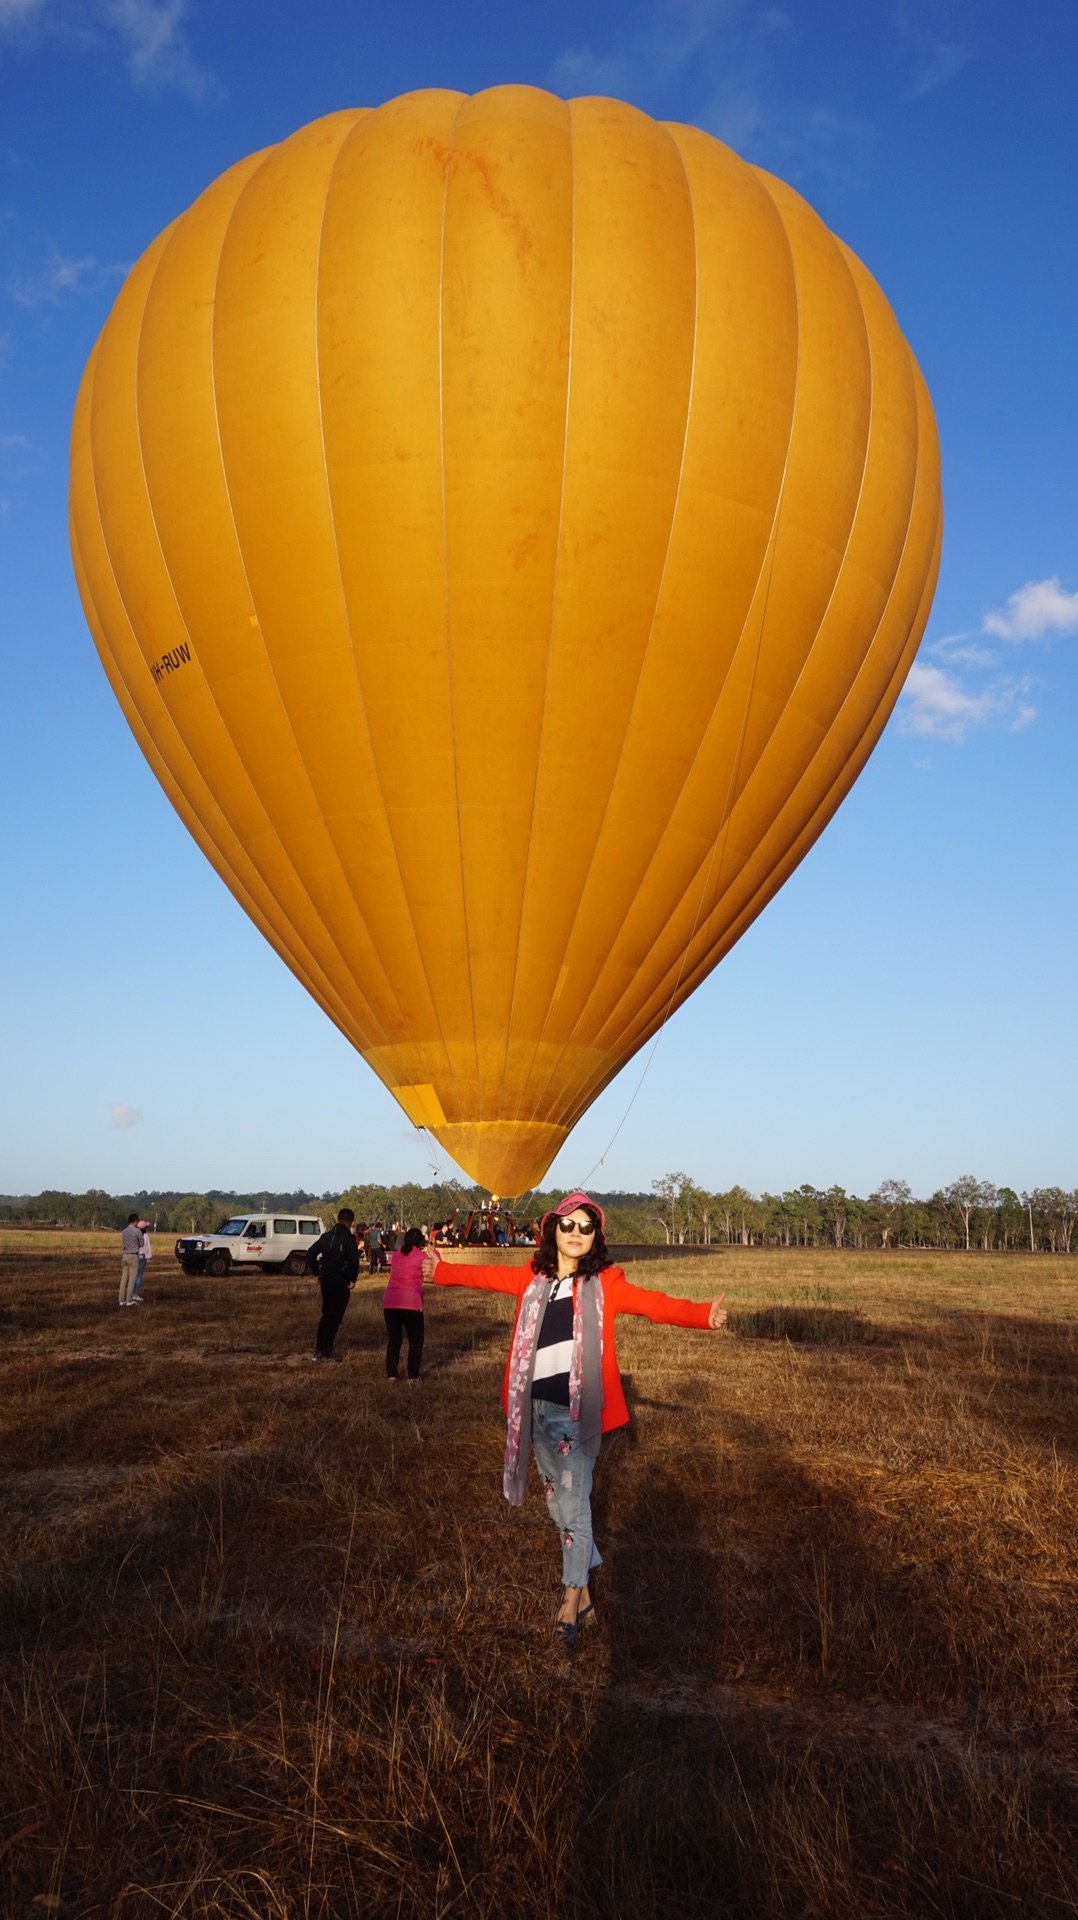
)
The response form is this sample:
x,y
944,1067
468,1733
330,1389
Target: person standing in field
x,y
402,1305
131,1245
145,1253
562,1385
335,1259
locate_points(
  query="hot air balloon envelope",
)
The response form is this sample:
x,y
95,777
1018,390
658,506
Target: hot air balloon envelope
x,y
507,525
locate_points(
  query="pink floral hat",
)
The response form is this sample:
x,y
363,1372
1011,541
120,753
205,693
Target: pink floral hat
x,y
569,1205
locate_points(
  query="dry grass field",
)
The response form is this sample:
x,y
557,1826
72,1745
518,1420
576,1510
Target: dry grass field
x,y
272,1645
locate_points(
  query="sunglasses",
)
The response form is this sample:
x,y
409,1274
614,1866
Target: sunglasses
x,y
576,1226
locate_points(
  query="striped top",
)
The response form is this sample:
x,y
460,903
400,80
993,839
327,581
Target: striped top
x,y
554,1347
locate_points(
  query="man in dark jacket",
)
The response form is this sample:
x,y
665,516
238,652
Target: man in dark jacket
x,y
335,1259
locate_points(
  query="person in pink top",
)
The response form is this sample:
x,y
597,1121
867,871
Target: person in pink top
x,y
402,1305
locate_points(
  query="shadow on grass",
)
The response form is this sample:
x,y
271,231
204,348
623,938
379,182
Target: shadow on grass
x,y
641,1846
811,1325
835,1798
1020,1376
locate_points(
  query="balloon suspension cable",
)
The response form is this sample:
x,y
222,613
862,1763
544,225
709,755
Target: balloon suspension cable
x,y
722,837
439,1178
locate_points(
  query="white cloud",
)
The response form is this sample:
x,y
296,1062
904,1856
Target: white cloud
x,y
157,50
935,704
777,20
737,113
946,700
1040,608
939,61
62,274
149,34
962,650
937,56
580,71
122,1116
658,43
736,59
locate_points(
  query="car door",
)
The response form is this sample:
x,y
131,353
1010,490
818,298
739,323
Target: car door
x,y
252,1243
284,1249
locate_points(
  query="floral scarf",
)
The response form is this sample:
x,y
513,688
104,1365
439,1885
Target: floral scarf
x,y
585,1374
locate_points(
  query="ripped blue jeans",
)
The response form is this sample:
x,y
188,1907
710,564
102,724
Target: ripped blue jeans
x,y
566,1476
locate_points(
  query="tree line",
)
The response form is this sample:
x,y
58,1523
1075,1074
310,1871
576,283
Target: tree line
x,y
969,1213
167,1211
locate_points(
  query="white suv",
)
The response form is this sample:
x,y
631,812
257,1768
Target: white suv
x,y
274,1242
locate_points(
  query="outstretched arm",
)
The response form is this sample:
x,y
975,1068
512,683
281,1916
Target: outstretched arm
x,y
667,1309
447,1273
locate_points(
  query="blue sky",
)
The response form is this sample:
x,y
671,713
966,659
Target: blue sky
x,y
905,1008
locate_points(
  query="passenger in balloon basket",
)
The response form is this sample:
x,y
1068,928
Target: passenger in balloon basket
x,y
562,1380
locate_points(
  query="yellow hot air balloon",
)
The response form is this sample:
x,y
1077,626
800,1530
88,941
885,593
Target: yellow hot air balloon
x,y
507,525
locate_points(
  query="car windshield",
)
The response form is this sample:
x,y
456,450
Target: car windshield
x,y
234,1227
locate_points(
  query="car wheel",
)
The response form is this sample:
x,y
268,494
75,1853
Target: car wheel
x,y
190,1269
296,1264
217,1264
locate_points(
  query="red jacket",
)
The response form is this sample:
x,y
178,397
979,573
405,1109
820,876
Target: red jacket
x,y
619,1296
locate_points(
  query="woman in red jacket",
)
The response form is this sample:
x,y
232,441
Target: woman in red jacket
x,y
562,1373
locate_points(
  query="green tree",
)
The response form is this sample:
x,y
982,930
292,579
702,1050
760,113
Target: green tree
x,y
1012,1224
740,1213
195,1213
697,1208
962,1196
774,1227
629,1224
705,1208
919,1224
836,1210
1053,1213
860,1222
368,1202
892,1197
809,1201
985,1213
672,1197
